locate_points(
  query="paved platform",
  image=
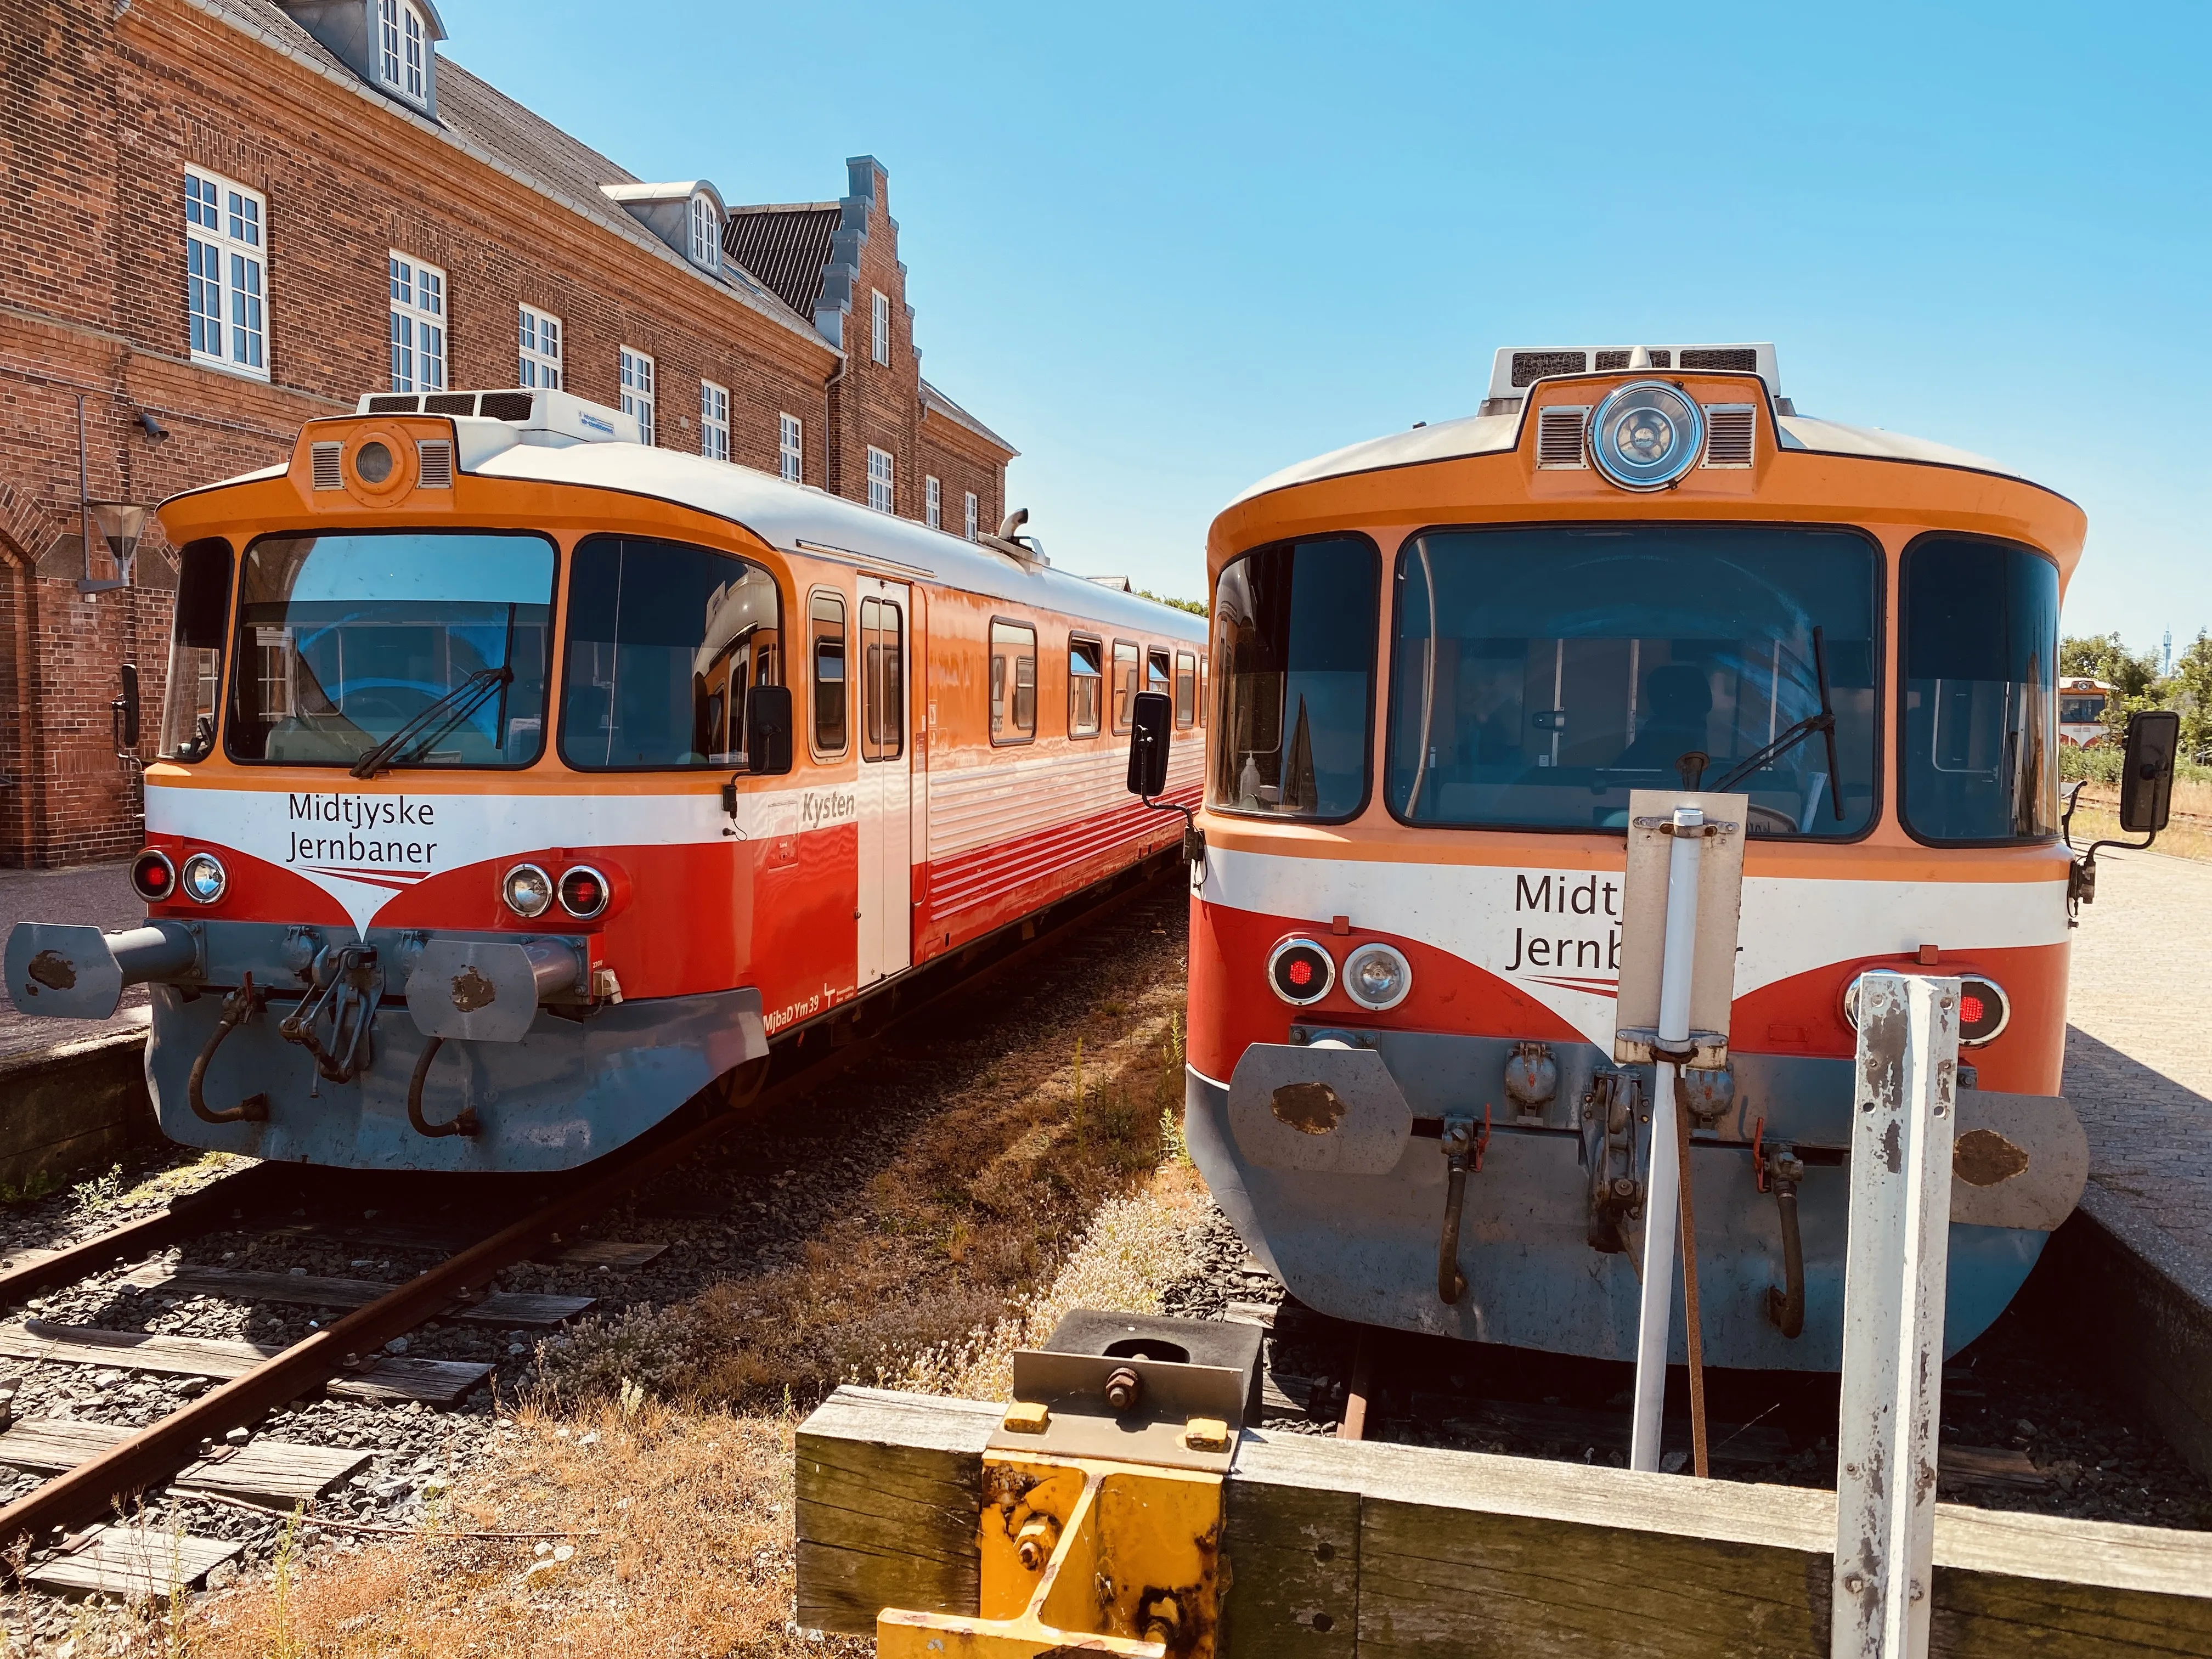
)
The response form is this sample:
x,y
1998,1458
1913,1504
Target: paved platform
x,y
96,893
2139,1059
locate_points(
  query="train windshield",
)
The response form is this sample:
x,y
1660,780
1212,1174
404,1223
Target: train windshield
x,y
344,640
1981,644
1540,674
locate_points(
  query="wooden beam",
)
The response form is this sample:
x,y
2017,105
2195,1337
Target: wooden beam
x,y
1340,1547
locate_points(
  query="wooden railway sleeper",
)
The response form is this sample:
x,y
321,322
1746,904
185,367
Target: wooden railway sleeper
x,y
237,1007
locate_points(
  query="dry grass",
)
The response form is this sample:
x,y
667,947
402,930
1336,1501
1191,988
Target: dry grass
x,y
1055,1178
2188,833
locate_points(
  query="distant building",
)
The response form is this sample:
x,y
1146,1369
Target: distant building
x,y
230,217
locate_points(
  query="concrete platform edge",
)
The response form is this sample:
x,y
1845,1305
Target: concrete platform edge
x,y
72,1110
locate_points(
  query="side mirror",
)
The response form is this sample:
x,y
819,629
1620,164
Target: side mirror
x,y
1151,719
125,713
768,729
2146,775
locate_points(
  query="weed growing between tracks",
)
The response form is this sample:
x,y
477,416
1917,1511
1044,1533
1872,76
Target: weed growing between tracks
x,y
977,1194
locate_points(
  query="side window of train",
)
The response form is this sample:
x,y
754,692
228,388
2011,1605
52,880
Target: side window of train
x,y
665,640
1014,681
883,686
1186,689
1086,686
825,627
1156,677
1126,657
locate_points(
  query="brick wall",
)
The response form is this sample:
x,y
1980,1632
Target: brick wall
x,y
104,112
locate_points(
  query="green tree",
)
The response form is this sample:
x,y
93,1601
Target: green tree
x,y
1196,607
2190,692
2132,675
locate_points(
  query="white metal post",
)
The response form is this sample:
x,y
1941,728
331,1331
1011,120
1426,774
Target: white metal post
x,y
1662,1187
1897,1255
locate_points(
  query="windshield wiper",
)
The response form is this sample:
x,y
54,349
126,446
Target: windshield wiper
x,y
1824,723
434,721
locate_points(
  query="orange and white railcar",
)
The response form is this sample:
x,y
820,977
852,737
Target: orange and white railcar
x,y
519,780
1443,660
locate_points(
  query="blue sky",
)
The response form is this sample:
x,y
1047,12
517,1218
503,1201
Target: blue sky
x,y
1168,249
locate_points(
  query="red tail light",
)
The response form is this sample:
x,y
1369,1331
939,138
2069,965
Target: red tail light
x,y
153,877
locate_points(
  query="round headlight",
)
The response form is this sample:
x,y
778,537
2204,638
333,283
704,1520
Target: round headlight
x,y
153,877
1984,1010
1646,435
1301,971
583,892
527,889
373,461
202,878
1377,976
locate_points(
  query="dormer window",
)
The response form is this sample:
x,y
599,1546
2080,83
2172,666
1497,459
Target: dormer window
x,y
402,49
706,232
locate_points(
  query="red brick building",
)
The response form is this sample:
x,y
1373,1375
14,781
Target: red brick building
x,y
234,216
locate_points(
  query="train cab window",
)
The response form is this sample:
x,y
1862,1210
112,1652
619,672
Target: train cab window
x,y
1156,672
883,681
1014,681
825,615
1294,628
1126,657
427,647
1086,686
1979,721
1539,675
1186,688
666,639
195,681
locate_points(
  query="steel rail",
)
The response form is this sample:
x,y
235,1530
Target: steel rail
x,y
88,1492
184,1217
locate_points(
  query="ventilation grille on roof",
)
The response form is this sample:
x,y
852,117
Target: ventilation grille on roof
x,y
1730,431
1735,360
394,406
1529,367
435,467
505,406
450,403
1560,436
326,457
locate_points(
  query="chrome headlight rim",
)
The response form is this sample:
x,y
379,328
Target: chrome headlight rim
x,y
148,857
1372,951
528,912
1676,406
199,864
605,893
1328,963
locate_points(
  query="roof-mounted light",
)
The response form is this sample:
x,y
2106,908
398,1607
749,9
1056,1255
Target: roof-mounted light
x,y
1646,435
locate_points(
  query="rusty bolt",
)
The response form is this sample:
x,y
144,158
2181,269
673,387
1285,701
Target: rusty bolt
x,y
1623,1187
1853,1583
1036,1541
1123,1390
1162,1618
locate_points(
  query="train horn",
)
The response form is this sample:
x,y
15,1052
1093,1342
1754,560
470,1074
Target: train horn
x,y
77,972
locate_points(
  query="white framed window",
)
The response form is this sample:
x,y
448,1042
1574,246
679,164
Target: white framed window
x,y
541,350
638,390
418,324
714,420
706,232
932,502
880,335
402,49
879,478
788,432
970,531
226,270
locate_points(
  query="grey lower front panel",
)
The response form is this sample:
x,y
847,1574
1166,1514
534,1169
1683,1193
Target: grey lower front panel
x,y
1364,1247
569,1091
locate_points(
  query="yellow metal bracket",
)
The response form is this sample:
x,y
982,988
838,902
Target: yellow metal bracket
x,y
1101,1514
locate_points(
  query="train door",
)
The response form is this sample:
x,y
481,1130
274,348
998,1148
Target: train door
x,y
886,931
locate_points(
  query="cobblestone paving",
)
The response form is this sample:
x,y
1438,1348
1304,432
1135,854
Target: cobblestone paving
x,y
96,893
2139,1059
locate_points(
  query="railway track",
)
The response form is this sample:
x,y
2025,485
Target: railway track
x,y
72,1531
